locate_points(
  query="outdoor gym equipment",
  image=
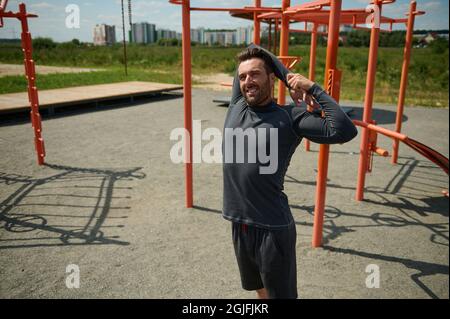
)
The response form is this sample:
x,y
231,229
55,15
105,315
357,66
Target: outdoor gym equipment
x,y
314,12
30,73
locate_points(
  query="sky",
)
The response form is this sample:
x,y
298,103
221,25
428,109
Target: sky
x,y
52,15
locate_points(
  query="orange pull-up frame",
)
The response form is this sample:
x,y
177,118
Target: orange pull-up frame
x,y
324,151
310,12
404,77
30,74
368,103
187,78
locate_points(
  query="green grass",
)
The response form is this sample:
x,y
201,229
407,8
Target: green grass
x,y
428,73
11,84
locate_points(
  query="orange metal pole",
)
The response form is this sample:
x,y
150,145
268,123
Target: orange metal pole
x,y
187,92
404,79
324,152
275,38
33,96
284,47
269,40
367,115
312,68
256,25
313,51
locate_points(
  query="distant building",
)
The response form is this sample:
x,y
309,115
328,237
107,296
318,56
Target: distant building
x,y
428,38
104,34
198,35
210,37
165,34
321,28
229,38
244,35
143,33
221,37
346,28
147,33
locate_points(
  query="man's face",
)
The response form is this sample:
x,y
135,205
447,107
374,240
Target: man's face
x,y
255,83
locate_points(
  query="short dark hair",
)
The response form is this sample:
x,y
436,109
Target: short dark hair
x,y
251,53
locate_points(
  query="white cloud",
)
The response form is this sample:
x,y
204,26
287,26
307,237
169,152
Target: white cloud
x,y
431,5
42,5
149,5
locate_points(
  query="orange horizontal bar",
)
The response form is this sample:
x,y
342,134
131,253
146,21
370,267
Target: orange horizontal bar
x,y
320,3
304,10
270,15
245,9
417,13
382,130
381,152
350,16
383,1
10,14
274,9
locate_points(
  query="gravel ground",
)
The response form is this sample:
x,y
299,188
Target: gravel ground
x,y
111,202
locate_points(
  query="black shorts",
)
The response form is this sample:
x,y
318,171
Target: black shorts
x,y
267,259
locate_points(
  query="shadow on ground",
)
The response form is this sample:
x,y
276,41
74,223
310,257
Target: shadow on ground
x,y
381,116
409,207
70,207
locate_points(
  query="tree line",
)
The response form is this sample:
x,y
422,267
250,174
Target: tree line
x,y
354,38
361,38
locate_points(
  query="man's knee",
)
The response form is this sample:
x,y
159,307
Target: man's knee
x,y
262,293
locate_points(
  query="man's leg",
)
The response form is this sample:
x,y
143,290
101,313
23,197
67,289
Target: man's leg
x,y
262,293
279,264
244,243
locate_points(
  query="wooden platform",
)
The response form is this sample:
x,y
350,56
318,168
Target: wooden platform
x,y
17,102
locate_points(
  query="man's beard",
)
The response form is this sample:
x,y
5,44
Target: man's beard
x,y
256,95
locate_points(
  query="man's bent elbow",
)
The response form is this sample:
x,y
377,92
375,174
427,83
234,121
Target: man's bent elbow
x,y
343,136
348,134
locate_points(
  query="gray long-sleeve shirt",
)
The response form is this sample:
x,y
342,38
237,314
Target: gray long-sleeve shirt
x,y
253,187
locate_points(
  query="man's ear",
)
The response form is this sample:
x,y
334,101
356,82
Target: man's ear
x,y
272,78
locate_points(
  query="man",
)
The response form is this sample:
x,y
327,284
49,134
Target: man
x,y
263,228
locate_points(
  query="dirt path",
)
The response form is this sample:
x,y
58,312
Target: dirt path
x,y
18,69
213,81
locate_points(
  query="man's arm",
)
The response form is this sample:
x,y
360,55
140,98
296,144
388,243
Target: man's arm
x,y
336,127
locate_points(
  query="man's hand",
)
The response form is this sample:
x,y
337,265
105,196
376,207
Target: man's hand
x,y
298,88
299,82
